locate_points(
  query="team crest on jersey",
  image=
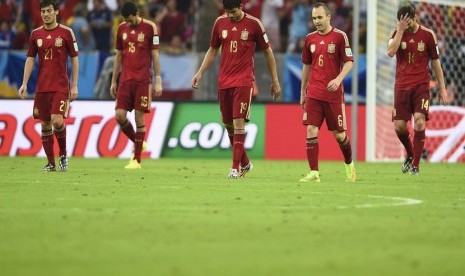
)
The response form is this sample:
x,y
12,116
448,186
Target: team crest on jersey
x,y
312,48
140,37
125,36
39,42
421,46
224,34
35,113
244,35
58,42
331,48
403,45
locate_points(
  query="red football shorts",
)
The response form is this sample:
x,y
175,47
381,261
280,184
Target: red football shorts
x,y
134,95
408,102
235,103
315,111
48,103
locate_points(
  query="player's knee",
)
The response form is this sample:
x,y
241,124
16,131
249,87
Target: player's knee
x,y
419,123
57,121
312,131
400,128
340,136
229,127
120,118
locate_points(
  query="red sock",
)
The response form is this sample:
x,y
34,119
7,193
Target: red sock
x,y
245,159
47,143
312,153
128,129
418,144
405,140
346,150
238,150
60,134
138,141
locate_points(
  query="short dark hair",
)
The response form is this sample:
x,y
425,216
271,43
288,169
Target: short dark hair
x,y
325,7
409,10
231,4
129,8
46,3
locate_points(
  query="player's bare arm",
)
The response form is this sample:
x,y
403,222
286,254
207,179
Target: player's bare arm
x,y
157,92
73,92
206,63
270,61
116,70
334,84
443,95
304,84
28,66
394,43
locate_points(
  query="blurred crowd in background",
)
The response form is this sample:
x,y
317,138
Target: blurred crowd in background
x,y
184,27
94,22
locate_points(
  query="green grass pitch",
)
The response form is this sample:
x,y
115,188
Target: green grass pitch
x,y
184,217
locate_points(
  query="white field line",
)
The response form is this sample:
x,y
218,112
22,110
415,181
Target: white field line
x,y
398,201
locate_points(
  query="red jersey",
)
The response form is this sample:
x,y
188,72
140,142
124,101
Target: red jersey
x,y
413,56
326,54
136,44
238,40
53,48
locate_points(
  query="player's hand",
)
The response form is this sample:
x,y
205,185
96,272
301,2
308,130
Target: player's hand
x,y
333,85
302,100
113,90
443,96
73,93
22,92
196,81
275,90
403,23
158,90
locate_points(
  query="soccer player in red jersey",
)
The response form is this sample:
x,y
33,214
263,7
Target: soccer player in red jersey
x,y
414,46
53,43
137,45
237,33
327,59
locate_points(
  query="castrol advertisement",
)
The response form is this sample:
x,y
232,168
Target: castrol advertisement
x,y
195,130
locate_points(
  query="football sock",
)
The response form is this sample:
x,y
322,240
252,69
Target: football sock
x,y
47,143
312,153
245,159
418,144
60,134
140,136
238,149
346,149
404,138
128,129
